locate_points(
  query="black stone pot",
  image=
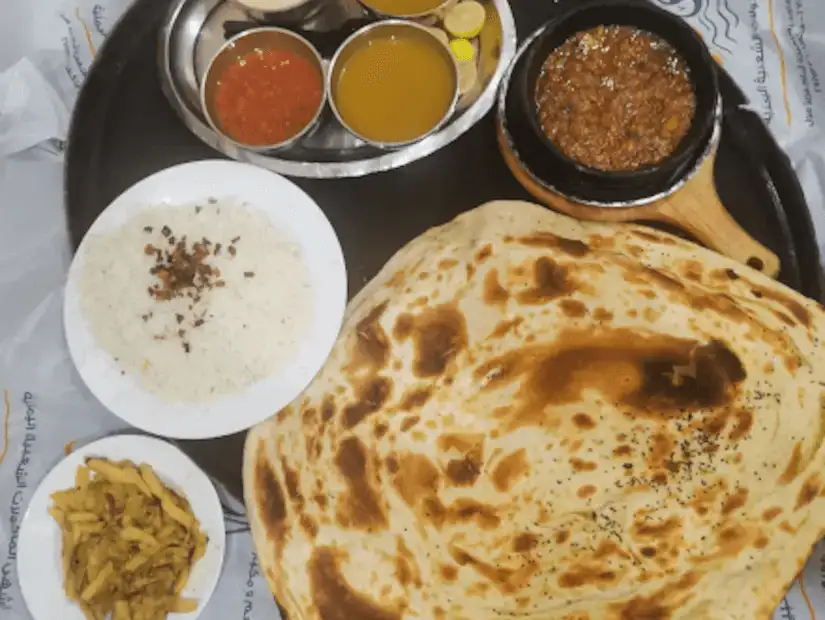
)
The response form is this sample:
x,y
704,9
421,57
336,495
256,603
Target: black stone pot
x,y
581,182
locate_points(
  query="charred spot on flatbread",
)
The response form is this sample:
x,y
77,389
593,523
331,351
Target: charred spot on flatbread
x,y
506,580
543,239
372,346
484,252
407,570
334,598
272,509
439,334
573,308
416,398
510,469
494,293
525,542
370,397
551,281
361,506
808,492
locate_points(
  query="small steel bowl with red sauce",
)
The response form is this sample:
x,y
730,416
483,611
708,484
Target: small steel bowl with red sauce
x,y
575,178
265,89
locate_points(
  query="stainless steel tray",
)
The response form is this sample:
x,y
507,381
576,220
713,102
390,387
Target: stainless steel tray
x,y
194,31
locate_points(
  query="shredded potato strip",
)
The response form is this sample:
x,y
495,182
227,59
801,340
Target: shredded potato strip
x,y
129,543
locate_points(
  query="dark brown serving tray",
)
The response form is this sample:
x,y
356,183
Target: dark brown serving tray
x,y
124,130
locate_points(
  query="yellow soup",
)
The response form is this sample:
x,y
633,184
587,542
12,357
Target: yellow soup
x,y
395,88
403,7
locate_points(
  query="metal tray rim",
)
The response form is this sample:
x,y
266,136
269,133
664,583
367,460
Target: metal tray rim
x,y
327,170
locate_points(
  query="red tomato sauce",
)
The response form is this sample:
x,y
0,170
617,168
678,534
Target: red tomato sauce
x,y
268,96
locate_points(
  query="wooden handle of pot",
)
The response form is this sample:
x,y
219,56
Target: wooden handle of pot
x,y
696,208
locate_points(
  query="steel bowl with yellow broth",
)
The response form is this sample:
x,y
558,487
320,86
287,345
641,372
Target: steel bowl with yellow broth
x,y
393,83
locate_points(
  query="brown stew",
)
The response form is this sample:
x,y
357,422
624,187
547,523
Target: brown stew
x,y
615,98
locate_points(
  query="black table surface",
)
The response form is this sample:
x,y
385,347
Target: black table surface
x,y
124,130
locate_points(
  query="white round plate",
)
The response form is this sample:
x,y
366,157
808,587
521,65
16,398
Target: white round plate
x,y
291,210
39,546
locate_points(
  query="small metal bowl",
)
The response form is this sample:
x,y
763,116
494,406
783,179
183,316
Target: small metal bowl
x,y
300,12
239,46
387,28
424,15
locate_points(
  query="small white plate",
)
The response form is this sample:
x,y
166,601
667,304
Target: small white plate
x,y
39,545
290,209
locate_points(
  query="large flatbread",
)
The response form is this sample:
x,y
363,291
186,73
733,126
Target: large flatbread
x,y
532,417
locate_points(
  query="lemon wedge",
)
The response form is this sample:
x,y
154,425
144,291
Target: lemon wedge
x,y
463,50
466,19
